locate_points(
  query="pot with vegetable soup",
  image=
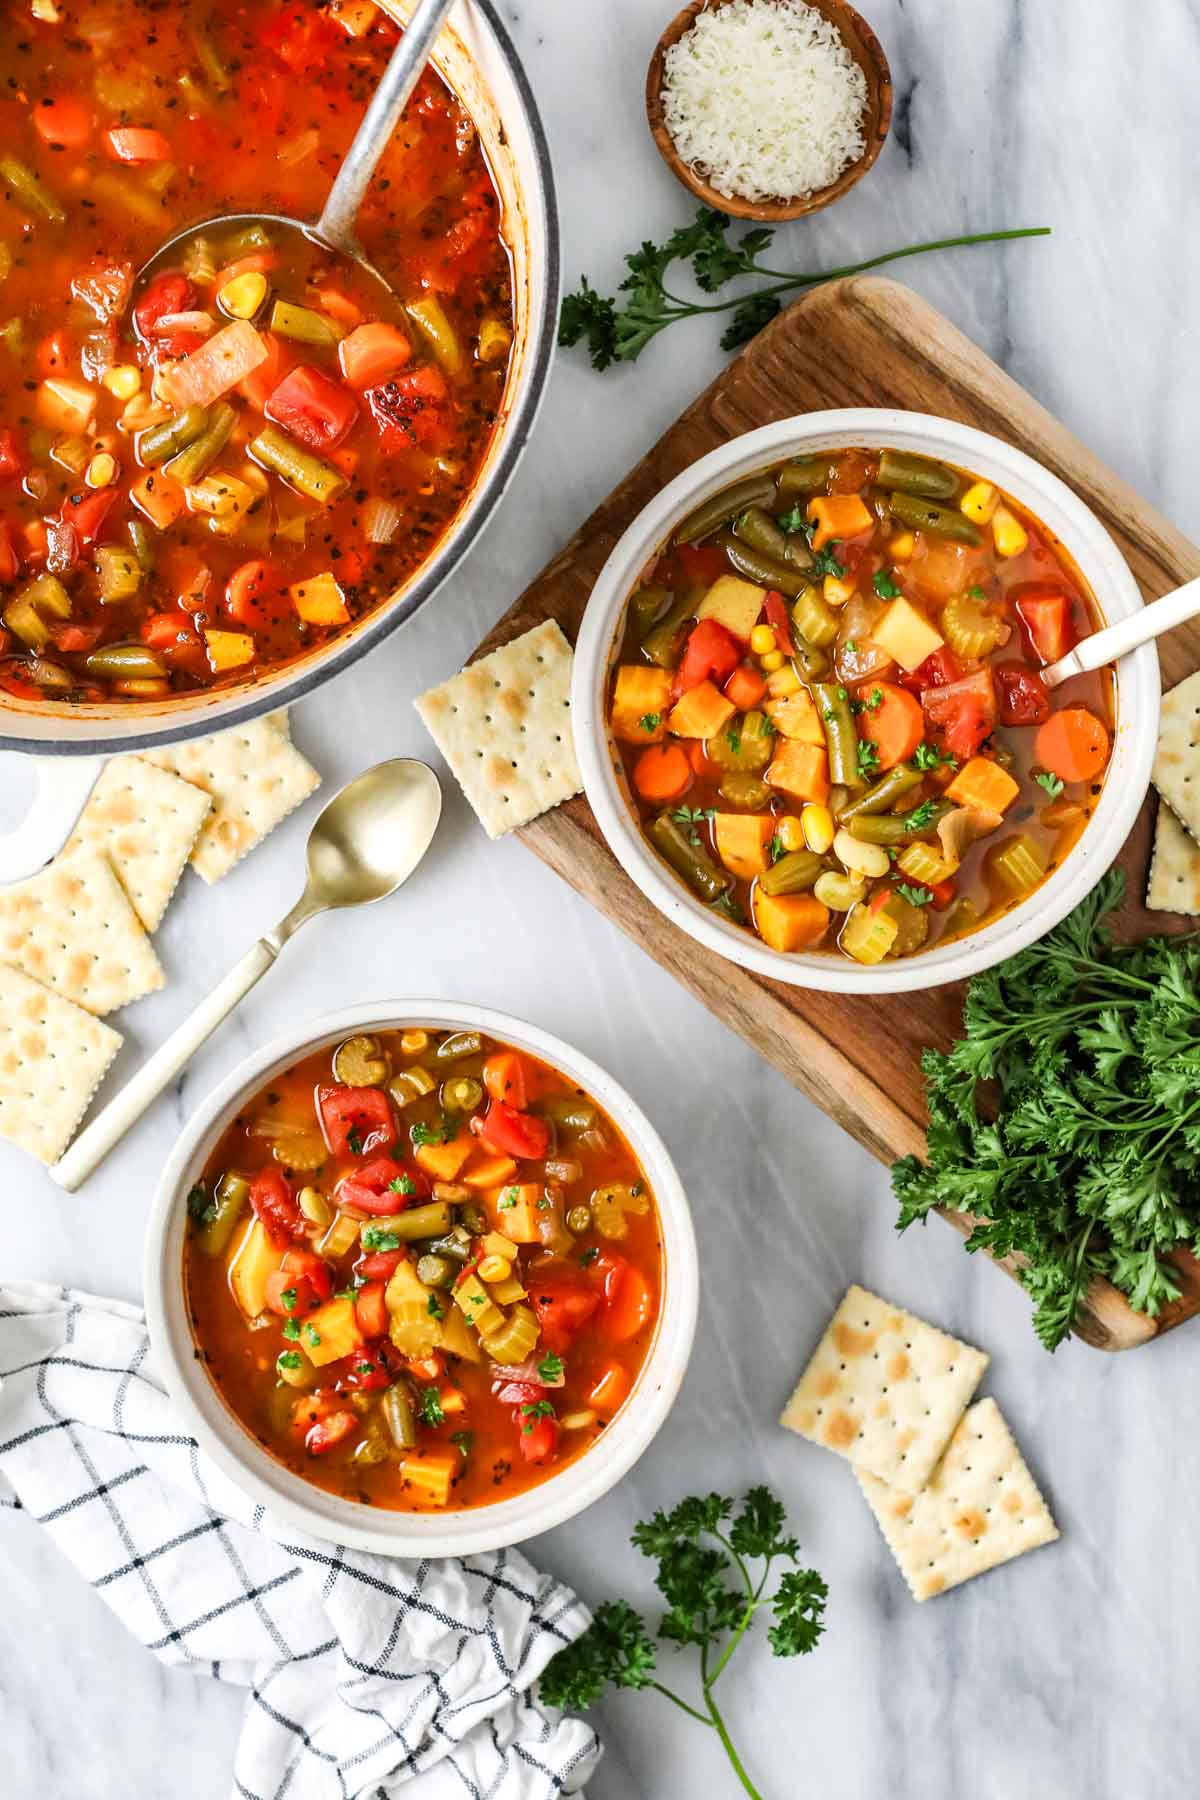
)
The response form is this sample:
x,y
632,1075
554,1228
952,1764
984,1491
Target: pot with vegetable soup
x,y
810,712
426,1279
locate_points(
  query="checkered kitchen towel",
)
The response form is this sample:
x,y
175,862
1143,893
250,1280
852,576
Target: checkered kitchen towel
x,y
363,1673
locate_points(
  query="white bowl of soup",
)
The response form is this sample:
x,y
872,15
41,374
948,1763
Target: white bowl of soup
x,y
808,706
421,1279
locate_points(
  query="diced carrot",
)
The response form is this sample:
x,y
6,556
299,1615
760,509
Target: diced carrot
x,y
443,1161
895,725
343,458
699,758
1072,744
838,516
640,703
339,306
372,352
790,922
488,1171
702,712
137,144
610,1388
628,1308
504,1079
662,773
801,770
745,688
217,366
66,124
984,785
453,1399
742,840
160,498
33,536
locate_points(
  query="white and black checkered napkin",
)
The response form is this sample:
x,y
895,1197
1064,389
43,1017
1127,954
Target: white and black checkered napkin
x,y
362,1673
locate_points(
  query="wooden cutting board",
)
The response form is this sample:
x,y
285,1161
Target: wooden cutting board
x,y
861,342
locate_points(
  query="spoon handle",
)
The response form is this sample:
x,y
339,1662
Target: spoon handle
x,y
1126,635
336,224
110,1125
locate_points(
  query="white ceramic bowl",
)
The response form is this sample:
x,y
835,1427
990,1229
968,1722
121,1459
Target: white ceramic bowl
x,y
1049,500
297,1503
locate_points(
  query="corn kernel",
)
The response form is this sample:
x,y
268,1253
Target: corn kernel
x,y
413,1042
493,1268
123,380
772,661
101,472
762,639
979,502
783,683
901,547
818,826
1008,533
790,832
837,591
242,297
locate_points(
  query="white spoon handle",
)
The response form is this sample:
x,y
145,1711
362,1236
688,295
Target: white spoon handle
x,y
1126,635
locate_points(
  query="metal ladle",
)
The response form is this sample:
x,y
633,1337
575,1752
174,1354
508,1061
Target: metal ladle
x,y
365,844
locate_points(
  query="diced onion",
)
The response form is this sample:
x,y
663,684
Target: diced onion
x,y
528,1372
381,521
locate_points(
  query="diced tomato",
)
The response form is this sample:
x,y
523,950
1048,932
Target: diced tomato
x,y
169,631
190,579
514,1133
169,293
256,595
291,1296
538,1438
381,1187
314,410
562,1311
362,1112
519,1393
329,1432
10,560
938,670
300,1260
504,1078
943,893
380,1265
963,713
55,354
361,1373
775,613
710,654
1022,695
85,514
273,1202
301,38
63,124
408,409
1045,613
76,640
12,457
628,1298
137,144
373,352
370,1310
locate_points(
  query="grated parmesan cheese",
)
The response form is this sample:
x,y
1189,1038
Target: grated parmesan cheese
x,y
764,100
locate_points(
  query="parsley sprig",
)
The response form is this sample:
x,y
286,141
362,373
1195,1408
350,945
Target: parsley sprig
x,y
617,329
704,1557
1090,1164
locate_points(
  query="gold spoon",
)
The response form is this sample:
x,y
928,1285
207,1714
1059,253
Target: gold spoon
x,y
365,844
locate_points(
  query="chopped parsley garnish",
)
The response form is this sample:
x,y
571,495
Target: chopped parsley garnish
x,y
347,1293
443,1133
851,646
874,700
650,721
201,1207
690,818
976,592
792,521
431,1407
589,1256
403,1184
825,560
734,740
928,756
729,908
551,1368
291,1331
312,1335
1051,783
775,848
462,1441
868,757
288,1298
916,896
289,1359
378,1237
884,586
921,816
365,1368
508,1199
434,1307
354,1142
532,1411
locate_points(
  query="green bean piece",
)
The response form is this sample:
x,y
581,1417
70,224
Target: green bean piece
x,y
816,622
229,1203
304,325
687,859
456,1245
432,1220
161,441
190,464
768,571
435,1271
436,332
570,1113
143,544
474,1218
792,874
315,479
646,606
29,191
884,793
841,739
757,528
749,793
462,1043
400,1415
917,475
579,1220
125,662
756,490
893,828
663,643
926,515
462,1095
809,662
807,475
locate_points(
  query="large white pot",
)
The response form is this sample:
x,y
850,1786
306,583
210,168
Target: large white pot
x,y
478,60
296,1503
1050,500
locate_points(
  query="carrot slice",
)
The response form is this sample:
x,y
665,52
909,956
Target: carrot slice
x,y
745,688
662,773
66,123
895,726
1072,744
137,144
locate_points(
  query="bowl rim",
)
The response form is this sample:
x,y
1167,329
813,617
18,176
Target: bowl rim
x,y
299,1505
1050,500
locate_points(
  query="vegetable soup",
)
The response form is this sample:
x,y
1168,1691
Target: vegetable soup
x,y
423,1269
829,712
213,469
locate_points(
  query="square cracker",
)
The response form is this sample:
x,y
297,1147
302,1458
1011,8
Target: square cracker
x,y
884,1390
72,928
255,777
1176,771
145,820
504,727
1174,884
980,1508
53,1057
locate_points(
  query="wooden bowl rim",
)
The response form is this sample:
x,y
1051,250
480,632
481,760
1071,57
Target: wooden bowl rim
x,y
875,67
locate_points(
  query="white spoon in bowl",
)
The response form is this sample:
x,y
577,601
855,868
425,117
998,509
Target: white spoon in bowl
x,y
1127,634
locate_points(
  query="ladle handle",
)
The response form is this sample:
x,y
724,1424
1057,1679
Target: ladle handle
x,y
109,1126
336,224
1127,634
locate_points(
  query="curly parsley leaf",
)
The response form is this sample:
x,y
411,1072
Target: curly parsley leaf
x,y
1051,783
916,896
884,586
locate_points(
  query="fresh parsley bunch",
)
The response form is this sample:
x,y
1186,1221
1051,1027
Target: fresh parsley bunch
x,y
618,329
704,1555
1089,1163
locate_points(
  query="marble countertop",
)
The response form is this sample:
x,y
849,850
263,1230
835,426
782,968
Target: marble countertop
x,y
1073,1672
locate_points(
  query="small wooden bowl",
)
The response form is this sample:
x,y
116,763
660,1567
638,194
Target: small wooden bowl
x,y
867,52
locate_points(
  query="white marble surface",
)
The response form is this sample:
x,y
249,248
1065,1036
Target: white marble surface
x,y
1071,1674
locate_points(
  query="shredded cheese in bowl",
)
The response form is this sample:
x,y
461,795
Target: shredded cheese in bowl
x,y
764,100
